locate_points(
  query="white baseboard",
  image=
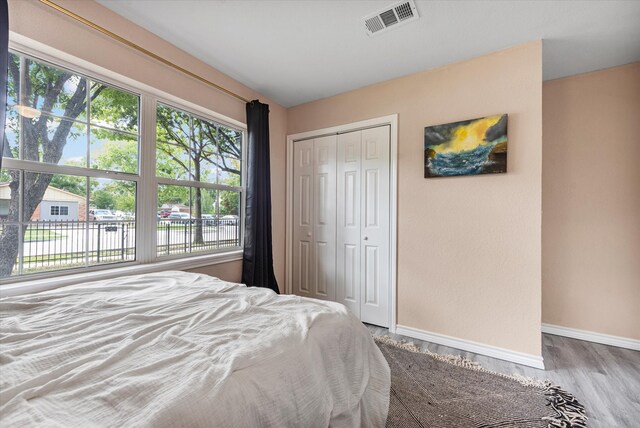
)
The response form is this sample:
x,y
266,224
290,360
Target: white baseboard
x,y
475,347
591,336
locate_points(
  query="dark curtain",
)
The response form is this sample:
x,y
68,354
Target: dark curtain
x,y
4,57
257,261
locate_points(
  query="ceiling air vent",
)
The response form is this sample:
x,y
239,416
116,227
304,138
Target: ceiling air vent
x,y
390,17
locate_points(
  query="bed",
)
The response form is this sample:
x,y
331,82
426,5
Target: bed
x,y
178,349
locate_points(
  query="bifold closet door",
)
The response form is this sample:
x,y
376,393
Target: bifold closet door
x,y
348,238
374,227
324,233
363,253
314,218
303,219
341,235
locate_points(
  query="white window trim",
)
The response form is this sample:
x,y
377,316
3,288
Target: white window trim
x,y
147,259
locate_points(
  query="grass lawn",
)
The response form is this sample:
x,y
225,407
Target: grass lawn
x,y
40,235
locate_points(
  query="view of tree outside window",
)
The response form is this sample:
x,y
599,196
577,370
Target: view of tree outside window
x,y
199,165
70,179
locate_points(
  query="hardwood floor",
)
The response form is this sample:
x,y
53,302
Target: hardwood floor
x,y
604,378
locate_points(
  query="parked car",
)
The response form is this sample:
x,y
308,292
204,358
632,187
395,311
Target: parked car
x,y
102,215
209,220
181,218
229,220
122,215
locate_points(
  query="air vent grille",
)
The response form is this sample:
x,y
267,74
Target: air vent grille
x,y
392,16
389,18
374,24
404,11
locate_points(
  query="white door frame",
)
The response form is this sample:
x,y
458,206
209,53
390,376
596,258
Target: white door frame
x,y
392,121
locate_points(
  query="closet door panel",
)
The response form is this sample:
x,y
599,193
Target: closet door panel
x,y
341,221
374,229
324,229
348,290
303,210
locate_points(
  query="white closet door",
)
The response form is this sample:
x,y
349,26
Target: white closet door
x,y
348,237
324,233
341,244
303,263
375,254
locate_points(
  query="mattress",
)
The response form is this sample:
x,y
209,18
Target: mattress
x,y
178,349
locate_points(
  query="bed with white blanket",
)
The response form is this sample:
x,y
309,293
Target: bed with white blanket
x,y
177,349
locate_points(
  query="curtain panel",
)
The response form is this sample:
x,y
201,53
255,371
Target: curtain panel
x,y
257,265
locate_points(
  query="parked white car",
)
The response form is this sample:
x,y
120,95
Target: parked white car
x,y
102,215
229,220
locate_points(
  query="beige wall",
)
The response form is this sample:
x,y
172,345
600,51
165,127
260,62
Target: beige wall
x,y
228,271
591,202
43,24
469,262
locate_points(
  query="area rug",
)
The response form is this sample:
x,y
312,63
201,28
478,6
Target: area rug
x,y
433,390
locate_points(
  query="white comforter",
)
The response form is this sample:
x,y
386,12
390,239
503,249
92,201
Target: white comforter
x,y
177,349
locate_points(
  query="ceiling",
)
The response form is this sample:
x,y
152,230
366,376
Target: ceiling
x,y
299,51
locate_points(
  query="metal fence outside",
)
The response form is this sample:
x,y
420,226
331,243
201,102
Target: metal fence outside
x,y
184,236
66,244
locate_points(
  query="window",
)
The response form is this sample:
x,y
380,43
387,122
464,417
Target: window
x,y
74,139
57,210
78,188
199,170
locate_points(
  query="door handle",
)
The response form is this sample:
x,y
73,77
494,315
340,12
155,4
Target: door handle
x,y
366,238
309,234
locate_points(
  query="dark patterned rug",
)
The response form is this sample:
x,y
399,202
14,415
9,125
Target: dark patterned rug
x,y
433,390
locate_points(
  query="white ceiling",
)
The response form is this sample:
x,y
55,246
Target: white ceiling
x,y
299,51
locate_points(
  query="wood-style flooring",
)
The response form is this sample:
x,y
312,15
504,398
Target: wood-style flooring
x,y
604,378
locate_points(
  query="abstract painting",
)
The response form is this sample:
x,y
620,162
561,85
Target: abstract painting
x,y
469,147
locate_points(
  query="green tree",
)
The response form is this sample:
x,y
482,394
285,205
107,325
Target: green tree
x,y
70,183
117,154
193,148
47,89
103,199
230,201
63,98
173,195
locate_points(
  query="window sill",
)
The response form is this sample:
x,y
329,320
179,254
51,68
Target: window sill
x,y
43,284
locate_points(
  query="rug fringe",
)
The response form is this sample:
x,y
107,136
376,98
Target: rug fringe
x,y
569,412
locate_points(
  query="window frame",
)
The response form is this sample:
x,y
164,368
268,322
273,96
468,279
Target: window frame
x,y
205,185
147,259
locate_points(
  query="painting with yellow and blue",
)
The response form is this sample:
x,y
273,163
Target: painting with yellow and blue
x,y
469,147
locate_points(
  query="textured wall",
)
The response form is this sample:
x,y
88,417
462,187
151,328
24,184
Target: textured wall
x,y
469,262
591,202
43,24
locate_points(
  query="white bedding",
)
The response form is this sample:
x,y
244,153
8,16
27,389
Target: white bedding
x,y
176,349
